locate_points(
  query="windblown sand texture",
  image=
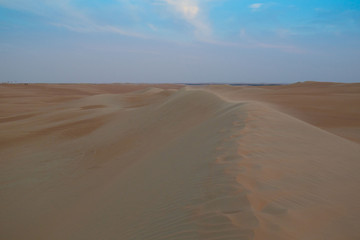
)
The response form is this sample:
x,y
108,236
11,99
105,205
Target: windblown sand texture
x,y
156,162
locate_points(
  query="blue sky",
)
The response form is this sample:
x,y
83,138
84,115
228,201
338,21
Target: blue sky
x,y
179,41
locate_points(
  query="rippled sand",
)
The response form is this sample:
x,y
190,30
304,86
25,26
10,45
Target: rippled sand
x,y
173,162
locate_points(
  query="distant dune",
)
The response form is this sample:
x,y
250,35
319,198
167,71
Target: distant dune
x,y
122,161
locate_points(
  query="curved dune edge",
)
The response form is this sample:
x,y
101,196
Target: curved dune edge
x,y
330,106
166,164
302,180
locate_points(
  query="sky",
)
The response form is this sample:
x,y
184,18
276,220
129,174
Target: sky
x,y
179,41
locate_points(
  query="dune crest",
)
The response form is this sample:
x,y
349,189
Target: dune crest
x,y
161,163
333,107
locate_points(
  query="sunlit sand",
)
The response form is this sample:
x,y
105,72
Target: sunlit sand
x,y
151,162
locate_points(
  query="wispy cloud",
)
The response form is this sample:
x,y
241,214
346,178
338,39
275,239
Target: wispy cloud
x,y
188,8
176,20
98,28
256,6
191,12
248,41
152,27
61,13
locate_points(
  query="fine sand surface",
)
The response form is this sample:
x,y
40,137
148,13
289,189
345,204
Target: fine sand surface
x,y
334,107
156,162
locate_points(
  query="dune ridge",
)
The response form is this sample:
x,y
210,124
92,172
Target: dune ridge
x,y
330,106
301,178
169,163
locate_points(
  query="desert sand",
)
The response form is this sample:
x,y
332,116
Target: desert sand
x,y
156,162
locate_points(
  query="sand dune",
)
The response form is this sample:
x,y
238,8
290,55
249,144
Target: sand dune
x,y
172,162
333,107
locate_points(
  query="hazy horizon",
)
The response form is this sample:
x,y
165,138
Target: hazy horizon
x,y
184,41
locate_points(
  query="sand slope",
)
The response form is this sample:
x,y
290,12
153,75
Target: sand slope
x,y
333,107
161,163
